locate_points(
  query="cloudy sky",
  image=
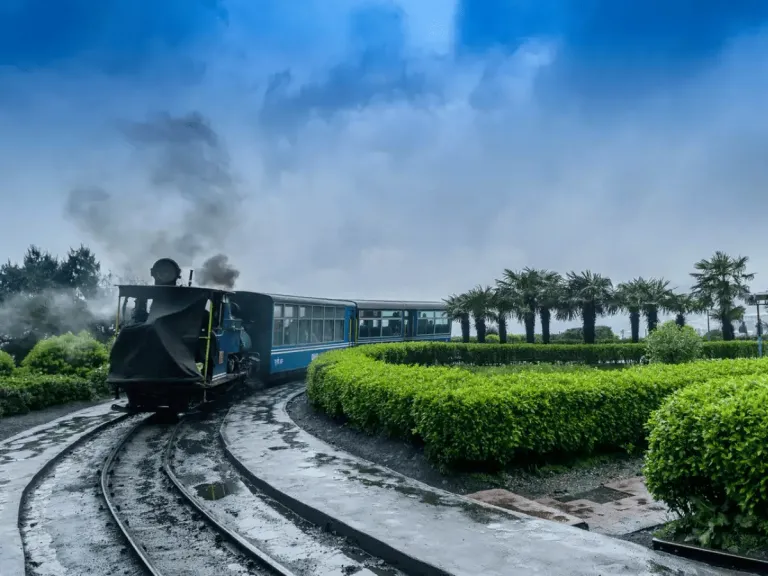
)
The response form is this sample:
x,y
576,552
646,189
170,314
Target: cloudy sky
x,y
387,149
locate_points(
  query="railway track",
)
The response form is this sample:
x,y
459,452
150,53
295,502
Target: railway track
x,y
64,526
175,528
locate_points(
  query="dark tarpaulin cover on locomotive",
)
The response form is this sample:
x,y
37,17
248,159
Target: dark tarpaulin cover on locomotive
x,y
162,348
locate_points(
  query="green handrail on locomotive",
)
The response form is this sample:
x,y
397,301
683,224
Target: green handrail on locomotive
x,y
182,346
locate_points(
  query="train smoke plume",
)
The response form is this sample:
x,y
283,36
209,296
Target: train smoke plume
x,y
217,271
187,170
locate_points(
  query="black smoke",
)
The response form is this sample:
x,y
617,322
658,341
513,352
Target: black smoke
x,y
185,163
217,271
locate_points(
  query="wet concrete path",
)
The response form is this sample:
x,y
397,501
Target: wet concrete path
x,y
21,457
200,463
423,527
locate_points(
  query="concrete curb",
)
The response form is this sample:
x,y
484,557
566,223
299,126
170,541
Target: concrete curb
x,y
469,501
365,541
46,468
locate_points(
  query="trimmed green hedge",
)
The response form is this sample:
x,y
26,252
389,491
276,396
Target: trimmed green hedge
x,y
61,369
430,353
707,458
463,417
24,391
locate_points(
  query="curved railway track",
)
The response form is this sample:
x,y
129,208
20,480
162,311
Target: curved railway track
x,y
173,531
165,530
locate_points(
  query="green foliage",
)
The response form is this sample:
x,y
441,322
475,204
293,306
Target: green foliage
x,y
497,418
66,355
673,344
492,338
706,457
26,391
7,365
45,296
542,368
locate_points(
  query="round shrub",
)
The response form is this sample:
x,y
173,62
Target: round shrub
x,y
673,344
68,355
7,365
707,457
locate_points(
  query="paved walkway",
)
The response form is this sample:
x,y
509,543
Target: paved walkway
x,y
24,455
616,508
418,525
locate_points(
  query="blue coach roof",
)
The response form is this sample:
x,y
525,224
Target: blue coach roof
x,y
398,305
310,301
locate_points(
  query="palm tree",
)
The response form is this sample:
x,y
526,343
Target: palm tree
x,y
682,304
551,295
588,295
503,306
722,280
479,302
630,296
457,310
656,296
523,289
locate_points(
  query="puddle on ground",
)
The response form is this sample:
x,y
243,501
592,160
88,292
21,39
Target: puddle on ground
x,y
216,490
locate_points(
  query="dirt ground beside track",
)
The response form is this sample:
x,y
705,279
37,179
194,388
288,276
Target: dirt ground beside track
x,y
12,425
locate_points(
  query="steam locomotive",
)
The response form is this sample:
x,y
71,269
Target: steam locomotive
x,y
181,346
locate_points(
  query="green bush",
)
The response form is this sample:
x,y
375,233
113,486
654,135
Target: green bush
x,y
7,365
67,355
468,417
447,353
430,353
707,458
25,392
673,344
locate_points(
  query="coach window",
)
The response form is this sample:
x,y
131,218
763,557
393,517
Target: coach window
x,y
277,326
330,314
426,323
373,328
290,326
338,330
317,324
442,323
305,324
391,323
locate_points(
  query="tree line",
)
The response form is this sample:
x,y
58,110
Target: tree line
x,y
44,295
721,285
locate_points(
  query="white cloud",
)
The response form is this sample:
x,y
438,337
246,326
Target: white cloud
x,y
419,198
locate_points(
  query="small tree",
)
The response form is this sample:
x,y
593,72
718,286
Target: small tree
x,y
7,365
673,344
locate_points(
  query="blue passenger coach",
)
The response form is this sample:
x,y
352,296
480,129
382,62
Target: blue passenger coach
x,y
399,321
288,332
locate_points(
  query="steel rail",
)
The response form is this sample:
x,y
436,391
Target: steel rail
x,y
127,534
245,546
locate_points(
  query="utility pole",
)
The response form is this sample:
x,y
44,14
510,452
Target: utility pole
x,y
760,298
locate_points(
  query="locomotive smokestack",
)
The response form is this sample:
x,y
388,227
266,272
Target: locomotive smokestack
x,y
165,272
191,272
